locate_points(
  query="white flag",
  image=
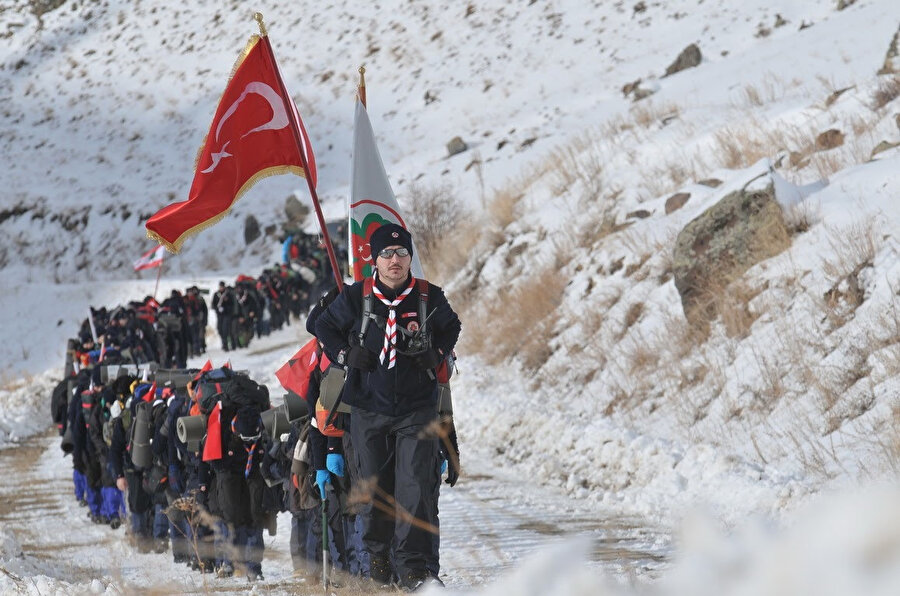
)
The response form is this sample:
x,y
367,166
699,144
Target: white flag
x,y
150,259
372,201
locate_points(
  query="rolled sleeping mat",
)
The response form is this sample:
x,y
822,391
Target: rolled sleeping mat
x,y
141,456
331,387
67,444
294,406
191,429
445,401
176,378
275,421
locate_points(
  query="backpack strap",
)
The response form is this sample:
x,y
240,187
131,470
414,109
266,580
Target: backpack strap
x,y
367,299
423,301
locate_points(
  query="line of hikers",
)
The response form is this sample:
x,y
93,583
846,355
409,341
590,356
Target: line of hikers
x,y
199,461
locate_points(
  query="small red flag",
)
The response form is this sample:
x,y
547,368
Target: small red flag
x,y
251,137
294,374
212,449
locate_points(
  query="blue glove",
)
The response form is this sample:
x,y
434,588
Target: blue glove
x,y
335,464
175,479
443,467
322,478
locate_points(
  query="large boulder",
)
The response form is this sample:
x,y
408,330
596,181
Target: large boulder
x,y
717,247
688,58
294,210
251,229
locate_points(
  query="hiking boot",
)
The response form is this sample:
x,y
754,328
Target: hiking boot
x,y
380,570
225,570
255,576
115,522
420,580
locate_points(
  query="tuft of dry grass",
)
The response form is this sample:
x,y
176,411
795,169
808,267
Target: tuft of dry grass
x,y
647,113
433,214
853,247
516,323
888,90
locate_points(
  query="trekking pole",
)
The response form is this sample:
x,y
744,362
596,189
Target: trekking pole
x,y
324,547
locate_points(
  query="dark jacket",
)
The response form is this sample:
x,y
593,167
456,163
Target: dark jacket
x,y
406,387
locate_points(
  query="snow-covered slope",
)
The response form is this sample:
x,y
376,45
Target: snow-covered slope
x,y
602,388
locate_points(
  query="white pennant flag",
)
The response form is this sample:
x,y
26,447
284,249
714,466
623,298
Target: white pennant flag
x,y
372,201
150,259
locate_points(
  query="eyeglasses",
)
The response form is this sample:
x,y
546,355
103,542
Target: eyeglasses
x,y
387,253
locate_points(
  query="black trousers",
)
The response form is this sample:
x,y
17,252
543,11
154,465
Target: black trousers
x,y
402,466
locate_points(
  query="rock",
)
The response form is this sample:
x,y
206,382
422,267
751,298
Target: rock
x,y
882,147
797,159
639,214
842,4
719,245
677,201
456,145
688,58
294,210
628,88
829,139
639,91
891,64
835,94
780,21
710,182
251,229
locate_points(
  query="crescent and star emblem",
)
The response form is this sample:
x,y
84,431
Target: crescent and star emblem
x,y
278,121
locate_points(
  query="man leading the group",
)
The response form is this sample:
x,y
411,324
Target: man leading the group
x,y
392,388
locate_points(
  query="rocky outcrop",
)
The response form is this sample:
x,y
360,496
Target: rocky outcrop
x,y
717,247
688,58
456,146
251,229
677,201
891,64
295,211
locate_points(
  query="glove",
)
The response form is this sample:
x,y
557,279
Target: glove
x,y
452,473
361,358
428,359
334,462
443,466
322,478
175,479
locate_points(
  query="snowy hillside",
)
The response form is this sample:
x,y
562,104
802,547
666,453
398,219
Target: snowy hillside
x,y
579,369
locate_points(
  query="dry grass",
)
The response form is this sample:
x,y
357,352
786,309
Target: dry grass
x,y
888,90
740,147
853,247
433,214
647,113
516,323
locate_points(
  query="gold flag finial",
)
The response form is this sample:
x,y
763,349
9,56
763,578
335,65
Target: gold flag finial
x,y
259,21
361,89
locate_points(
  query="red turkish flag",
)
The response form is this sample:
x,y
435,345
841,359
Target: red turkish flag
x,y
251,137
212,448
294,374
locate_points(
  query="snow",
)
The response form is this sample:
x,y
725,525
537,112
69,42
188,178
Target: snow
x,y
753,463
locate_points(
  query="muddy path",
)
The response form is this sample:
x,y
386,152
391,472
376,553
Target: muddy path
x,y
489,523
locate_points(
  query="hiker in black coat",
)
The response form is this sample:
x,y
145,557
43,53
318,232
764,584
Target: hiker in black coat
x,y
392,387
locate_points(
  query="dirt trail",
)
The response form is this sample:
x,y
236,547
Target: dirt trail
x,y
489,523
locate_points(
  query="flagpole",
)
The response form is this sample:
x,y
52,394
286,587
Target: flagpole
x,y
158,273
298,138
